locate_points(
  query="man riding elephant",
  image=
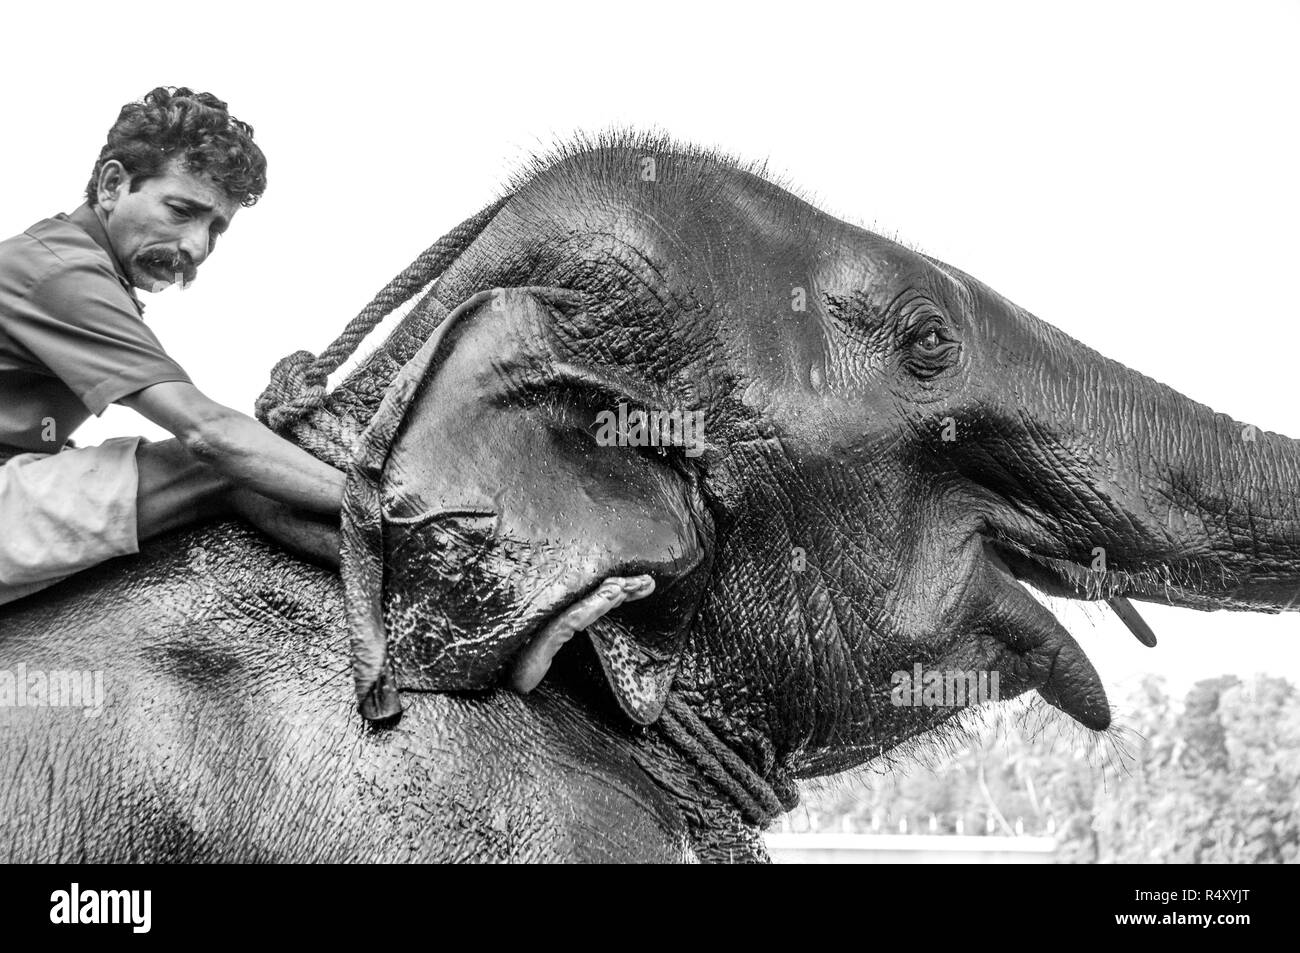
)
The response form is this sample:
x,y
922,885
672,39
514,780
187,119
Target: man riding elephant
x,y
175,169
892,456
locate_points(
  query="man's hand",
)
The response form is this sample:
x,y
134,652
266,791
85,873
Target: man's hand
x,y
314,539
240,449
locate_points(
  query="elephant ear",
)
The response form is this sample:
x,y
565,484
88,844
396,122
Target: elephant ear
x,y
361,544
479,507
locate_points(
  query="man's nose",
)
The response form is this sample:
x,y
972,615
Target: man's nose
x,y
196,244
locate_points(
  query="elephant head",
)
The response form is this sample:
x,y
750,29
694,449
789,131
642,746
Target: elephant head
x,y
883,452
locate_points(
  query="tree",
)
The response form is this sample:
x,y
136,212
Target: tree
x,y
1212,781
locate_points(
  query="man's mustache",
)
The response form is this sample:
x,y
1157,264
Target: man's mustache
x,y
179,264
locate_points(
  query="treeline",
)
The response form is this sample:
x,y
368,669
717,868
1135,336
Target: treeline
x,y
1215,780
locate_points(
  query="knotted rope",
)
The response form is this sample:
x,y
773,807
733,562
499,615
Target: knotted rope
x,y
294,404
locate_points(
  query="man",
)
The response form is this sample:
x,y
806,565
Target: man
x,y
173,173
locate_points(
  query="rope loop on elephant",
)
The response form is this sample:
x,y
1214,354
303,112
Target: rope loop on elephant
x,y
297,390
760,800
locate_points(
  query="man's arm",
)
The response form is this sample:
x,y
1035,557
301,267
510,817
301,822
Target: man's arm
x,y
316,539
240,448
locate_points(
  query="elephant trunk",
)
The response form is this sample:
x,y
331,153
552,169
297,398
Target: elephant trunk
x,y
1230,496
1163,499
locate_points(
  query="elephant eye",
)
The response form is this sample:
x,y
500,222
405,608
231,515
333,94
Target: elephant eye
x,y
932,350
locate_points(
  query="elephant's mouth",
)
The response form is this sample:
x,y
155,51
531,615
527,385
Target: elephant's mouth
x,y
1062,672
1052,576
1068,580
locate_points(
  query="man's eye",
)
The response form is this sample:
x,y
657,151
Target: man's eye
x,y
179,212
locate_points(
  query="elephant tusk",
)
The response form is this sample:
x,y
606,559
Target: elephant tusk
x,y
1136,624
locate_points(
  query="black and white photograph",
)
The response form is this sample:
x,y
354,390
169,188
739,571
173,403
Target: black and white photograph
x,y
668,433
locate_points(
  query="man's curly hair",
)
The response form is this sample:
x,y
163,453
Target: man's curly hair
x,y
176,122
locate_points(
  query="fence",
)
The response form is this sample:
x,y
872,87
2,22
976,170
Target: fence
x,y
829,848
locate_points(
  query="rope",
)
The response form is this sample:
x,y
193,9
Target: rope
x,y
759,799
296,393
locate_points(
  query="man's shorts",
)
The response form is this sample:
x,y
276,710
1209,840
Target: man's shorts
x,y
64,512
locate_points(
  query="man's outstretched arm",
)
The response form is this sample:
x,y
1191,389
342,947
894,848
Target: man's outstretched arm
x,y
177,490
241,450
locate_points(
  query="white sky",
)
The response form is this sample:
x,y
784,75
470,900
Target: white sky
x,y
1127,172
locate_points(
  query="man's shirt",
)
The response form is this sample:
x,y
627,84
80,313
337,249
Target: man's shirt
x,y
72,340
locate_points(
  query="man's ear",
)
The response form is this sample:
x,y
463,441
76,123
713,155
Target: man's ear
x,y
501,482
113,181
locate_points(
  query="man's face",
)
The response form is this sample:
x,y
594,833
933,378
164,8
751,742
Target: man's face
x,y
165,230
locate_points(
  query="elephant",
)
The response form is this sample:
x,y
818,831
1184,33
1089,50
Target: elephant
x,y
840,460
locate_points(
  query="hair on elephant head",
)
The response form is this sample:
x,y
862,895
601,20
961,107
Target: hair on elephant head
x,y
840,461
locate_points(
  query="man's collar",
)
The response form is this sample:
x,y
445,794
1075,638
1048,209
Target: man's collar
x,y
88,221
